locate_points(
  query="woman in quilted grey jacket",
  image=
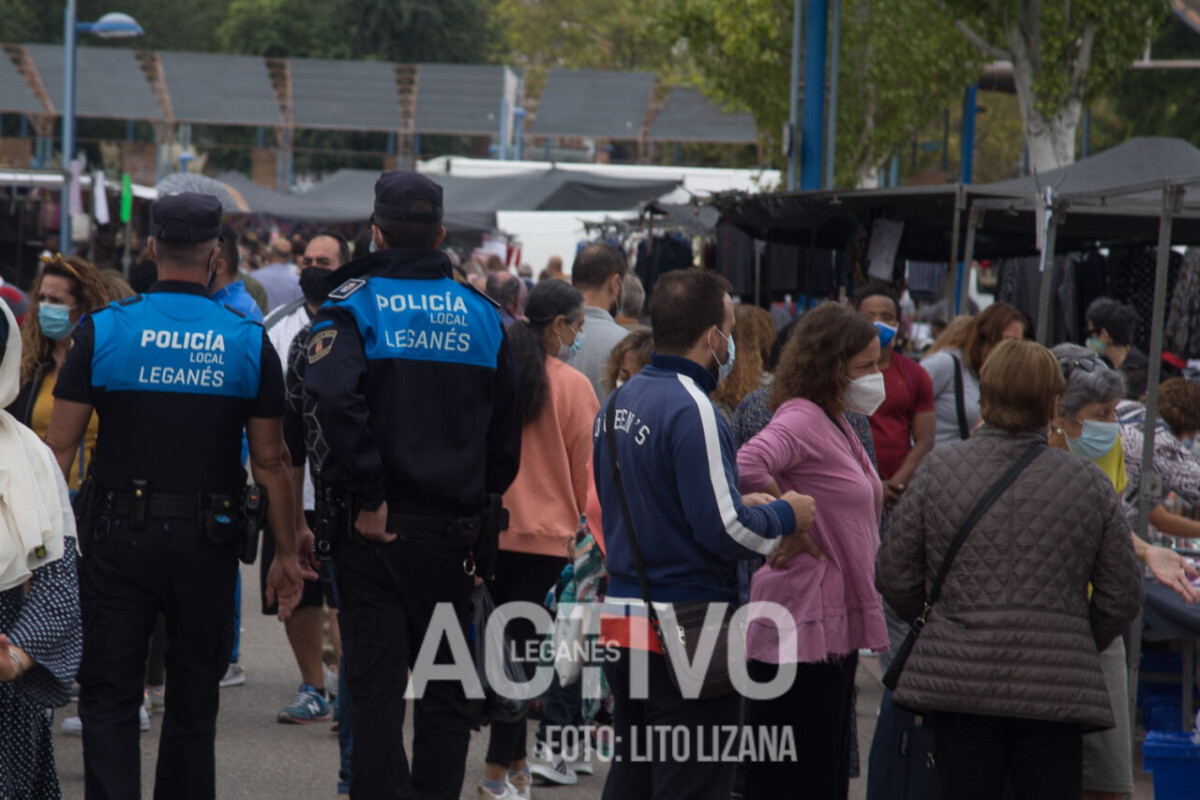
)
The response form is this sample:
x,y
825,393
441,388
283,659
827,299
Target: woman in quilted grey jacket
x,y
1007,665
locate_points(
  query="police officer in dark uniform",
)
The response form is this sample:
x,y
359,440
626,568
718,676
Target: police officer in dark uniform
x,y
174,378
415,391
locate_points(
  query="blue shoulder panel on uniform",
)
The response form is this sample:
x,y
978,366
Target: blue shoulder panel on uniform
x,y
426,320
177,343
102,343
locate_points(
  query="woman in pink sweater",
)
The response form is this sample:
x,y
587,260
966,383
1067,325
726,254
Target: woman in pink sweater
x,y
828,368
558,409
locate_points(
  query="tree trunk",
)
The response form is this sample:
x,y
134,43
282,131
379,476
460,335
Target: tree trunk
x,y
1051,141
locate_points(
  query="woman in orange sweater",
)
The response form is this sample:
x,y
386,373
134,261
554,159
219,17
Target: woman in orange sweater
x,y
558,410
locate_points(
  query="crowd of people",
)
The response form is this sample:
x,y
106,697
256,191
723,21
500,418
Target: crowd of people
x,y
412,434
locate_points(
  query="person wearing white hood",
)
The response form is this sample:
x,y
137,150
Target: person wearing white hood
x,y
41,636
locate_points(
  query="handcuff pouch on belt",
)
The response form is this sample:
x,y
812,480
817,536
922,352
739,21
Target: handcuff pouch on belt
x,y
86,506
335,521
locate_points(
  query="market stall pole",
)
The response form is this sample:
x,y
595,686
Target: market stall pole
x,y
1048,211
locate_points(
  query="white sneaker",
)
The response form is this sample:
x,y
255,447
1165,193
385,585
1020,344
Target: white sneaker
x,y
331,681
234,676
73,726
551,767
519,783
582,767
509,793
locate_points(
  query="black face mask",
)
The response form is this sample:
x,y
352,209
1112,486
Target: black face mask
x,y
314,282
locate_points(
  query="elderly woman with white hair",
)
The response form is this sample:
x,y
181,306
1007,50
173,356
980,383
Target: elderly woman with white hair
x,y
1086,423
40,632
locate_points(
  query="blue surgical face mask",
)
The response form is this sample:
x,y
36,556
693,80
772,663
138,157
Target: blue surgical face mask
x,y
886,333
372,248
1096,441
1097,345
567,352
55,320
723,370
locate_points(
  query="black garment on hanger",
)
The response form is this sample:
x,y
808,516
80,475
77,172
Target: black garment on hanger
x,y
735,257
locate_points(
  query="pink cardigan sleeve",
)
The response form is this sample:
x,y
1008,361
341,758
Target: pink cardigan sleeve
x,y
765,457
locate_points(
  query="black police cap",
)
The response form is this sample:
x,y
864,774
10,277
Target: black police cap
x,y
396,192
186,218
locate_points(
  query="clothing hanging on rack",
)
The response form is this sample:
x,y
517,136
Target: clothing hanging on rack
x,y
1132,281
1091,282
661,254
734,252
925,280
1182,334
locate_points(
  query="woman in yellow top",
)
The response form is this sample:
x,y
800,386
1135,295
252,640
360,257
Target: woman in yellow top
x,y
67,288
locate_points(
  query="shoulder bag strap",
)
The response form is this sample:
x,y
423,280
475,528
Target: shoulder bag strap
x,y
973,518
964,430
610,432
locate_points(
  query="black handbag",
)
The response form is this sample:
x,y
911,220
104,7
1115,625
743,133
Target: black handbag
x,y
689,621
892,679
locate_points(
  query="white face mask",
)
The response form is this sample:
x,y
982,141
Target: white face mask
x,y
866,394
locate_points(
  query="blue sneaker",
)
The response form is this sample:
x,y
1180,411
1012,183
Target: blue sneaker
x,y
309,705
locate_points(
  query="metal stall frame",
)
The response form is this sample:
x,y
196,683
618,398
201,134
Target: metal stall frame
x,y
1170,208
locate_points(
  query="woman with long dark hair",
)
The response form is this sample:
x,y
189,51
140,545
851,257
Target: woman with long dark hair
x,y
67,288
545,502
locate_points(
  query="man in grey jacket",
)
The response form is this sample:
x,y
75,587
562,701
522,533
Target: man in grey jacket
x,y
598,273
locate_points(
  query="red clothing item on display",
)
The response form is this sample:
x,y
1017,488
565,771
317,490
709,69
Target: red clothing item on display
x,y
909,392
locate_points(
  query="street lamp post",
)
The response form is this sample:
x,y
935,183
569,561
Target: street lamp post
x,y
110,26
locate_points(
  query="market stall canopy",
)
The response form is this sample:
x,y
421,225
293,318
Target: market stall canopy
x,y
1098,209
471,203
220,89
590,102
689,116
110,82
463,99
15,94
344,95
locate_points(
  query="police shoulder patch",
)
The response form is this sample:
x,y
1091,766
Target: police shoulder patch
x,y
348,288
320,345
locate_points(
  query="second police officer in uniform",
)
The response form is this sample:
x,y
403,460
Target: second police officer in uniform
x,y
174,378
415,391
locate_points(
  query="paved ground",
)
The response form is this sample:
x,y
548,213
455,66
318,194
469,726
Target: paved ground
x,y
259,758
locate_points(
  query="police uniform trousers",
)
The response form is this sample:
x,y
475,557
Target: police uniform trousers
x,y
126,579
388,595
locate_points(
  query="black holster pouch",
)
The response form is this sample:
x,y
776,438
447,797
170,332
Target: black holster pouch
x,y
219,519
335,521
86,506
252,516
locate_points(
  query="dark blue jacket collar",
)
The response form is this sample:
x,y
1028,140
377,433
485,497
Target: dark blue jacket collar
x,y
181,287
394,263
685,366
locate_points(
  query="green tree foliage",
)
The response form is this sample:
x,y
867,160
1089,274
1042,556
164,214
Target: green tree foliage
x,y
900,67
173,25
567,34
1064,53
1162,102
404,31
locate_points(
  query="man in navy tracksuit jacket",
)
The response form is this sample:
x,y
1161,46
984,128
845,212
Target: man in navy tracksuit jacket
x,y
679,472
